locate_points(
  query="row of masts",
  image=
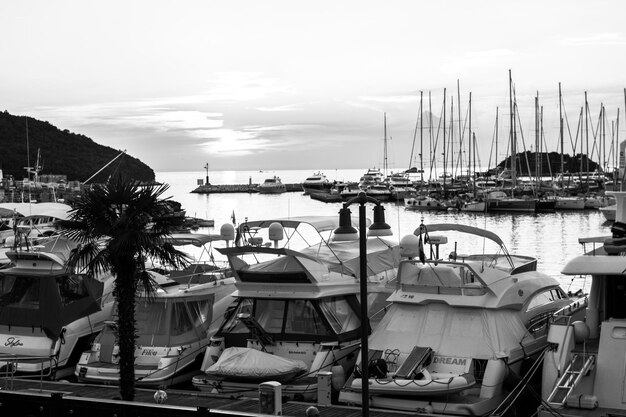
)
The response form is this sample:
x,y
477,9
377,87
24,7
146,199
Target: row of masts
x,y
469,146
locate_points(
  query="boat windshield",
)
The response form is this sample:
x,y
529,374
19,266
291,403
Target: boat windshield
x,y
289,319
173,322
48,302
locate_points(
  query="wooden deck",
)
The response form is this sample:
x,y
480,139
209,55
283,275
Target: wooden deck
x,y
45,398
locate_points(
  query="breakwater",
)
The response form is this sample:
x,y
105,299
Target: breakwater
x,y
239,188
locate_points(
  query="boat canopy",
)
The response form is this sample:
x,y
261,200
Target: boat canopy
x,y
196,239
340,257
58,210
444,227
450,331
320,223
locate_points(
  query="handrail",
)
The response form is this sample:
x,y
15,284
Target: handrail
x,y
11,364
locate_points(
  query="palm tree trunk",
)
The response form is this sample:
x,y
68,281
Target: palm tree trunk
x,y
126,287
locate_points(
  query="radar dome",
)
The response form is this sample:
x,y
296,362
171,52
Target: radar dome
x,y
227,231
275,232
409,246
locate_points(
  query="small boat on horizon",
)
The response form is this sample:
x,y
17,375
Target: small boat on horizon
x,y
272,186
316,183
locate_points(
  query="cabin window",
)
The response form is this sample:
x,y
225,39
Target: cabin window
x,y
233,325
543,298
340,314
181,322
269,314
71,288
302,318
151,320
199,311
22,292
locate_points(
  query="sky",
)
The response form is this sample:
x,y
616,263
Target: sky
x,y
283,84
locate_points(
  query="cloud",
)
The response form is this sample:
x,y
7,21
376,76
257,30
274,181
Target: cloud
x,y
458,64
284,108
595,40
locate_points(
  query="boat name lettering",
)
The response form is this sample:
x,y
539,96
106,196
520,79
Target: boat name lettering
x,y
13,342
149,352
449,361
293,352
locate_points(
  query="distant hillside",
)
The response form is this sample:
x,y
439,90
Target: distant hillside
x,y
549,163
62,152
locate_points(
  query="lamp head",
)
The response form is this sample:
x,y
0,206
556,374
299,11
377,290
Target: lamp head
x,y
345,231
379,227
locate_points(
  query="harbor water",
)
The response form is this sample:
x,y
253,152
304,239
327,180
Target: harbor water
x,y
550,237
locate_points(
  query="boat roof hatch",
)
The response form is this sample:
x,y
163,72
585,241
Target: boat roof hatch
x,y
596,265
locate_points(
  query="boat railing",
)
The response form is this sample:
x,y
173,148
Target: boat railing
x,y
9,367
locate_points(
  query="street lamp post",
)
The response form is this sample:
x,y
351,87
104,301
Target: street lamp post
x,y
378,228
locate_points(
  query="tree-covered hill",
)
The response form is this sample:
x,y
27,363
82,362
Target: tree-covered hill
x,y
62,152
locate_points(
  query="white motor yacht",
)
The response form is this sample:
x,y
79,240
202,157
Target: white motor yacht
x,y
48,314
173,324
297,311
272,186
316,183
585,368
458,327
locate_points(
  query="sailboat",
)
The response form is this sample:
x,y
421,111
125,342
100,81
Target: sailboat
x,y
502,200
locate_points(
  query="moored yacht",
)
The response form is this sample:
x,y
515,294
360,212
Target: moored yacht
x,y
585,368
458,327
316,183
48,313
297,311
272,186
498,201
173,322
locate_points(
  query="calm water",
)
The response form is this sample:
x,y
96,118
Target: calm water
x,y
550,237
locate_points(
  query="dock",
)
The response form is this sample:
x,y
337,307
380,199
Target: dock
x,y
47,398
239,188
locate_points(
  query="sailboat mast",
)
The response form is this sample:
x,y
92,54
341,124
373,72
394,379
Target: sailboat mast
x,y
512,133
385,145
587,137
430,130
421,138
27,152
603,110
497,127
452,166
561,128
444,138
458,94
536,138
471,145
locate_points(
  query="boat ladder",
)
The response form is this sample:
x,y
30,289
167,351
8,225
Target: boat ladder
x,y
577,368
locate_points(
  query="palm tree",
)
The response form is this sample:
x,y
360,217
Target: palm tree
x,y
118,226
